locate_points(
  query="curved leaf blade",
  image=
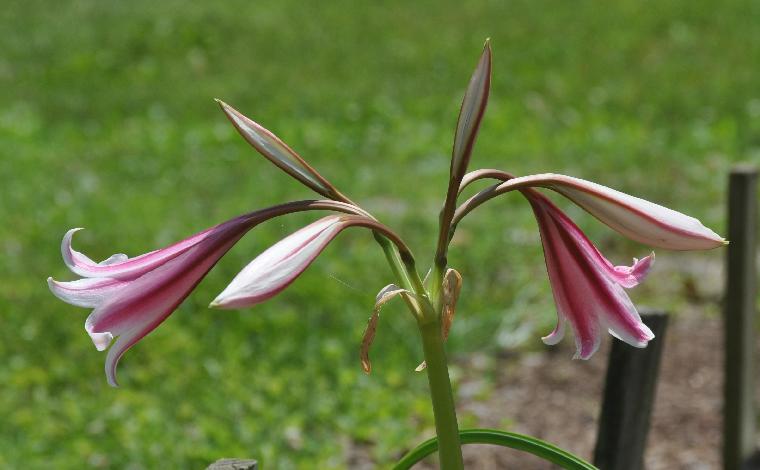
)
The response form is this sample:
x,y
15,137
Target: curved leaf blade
x,y
532,445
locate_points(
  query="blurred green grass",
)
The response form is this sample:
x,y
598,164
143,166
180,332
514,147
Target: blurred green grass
x,y
108,123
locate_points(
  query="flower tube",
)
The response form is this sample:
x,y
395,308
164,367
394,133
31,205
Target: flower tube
x,y
132,296
278,266
587,288
633,217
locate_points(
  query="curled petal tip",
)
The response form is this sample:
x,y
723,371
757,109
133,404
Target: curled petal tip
x,y
585,348
112,381
100,340
640,338
55,288
555,336
637,271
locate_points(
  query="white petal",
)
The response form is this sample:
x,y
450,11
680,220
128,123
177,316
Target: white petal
x,y
636,218
101,340
87,292
274,269
639,219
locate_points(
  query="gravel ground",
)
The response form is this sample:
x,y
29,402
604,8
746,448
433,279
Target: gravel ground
x,y
549,396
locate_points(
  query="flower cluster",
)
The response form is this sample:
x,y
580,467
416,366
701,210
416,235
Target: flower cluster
x,y
131,296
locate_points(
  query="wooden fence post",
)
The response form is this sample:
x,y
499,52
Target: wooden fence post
x,y
739,317
628,397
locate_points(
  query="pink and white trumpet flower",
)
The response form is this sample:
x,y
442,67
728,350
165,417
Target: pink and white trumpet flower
x,y
278,266
587,288
132,296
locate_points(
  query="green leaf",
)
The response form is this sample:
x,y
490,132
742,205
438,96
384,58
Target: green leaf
x,y
546,451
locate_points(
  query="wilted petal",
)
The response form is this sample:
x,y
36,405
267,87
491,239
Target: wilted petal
x,y
386,293
452,286
276,151
587,289
636,218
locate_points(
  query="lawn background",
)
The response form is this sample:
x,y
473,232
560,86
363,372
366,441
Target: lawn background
x,y
107,122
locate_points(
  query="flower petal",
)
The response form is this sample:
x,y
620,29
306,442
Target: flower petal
x,y
278,266
626,276
119,266
149,299
140,305
100,340
585,293
87,292
125,341
386,293
636,218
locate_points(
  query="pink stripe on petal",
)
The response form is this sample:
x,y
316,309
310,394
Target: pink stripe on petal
x,y
150,299
636,218
278,266
157,293
565,276
586,293
119,266
626,276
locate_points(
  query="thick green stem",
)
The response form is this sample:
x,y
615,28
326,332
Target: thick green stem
x,y
449,451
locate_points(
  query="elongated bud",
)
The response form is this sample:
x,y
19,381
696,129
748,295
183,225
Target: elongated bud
x,y
277,267
468,123
276,151
471,113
